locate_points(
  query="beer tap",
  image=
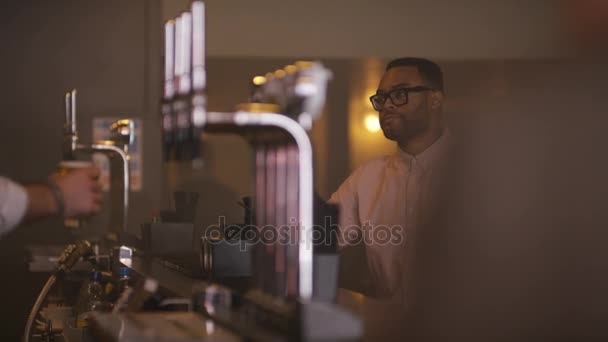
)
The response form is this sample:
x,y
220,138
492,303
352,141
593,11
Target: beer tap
x,y
119,159
285,104
169,91
184,104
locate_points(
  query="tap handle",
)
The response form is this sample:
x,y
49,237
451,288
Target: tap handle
x,y
122,133
68,112
73,112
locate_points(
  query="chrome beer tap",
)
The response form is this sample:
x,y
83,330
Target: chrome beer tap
x,y
122,131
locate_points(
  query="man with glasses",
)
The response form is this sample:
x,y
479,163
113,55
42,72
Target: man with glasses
x,y
384,200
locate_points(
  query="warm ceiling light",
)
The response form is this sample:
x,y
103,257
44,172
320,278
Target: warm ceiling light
x,y
259,80
372,124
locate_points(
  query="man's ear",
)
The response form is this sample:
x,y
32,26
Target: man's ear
x,y
436,99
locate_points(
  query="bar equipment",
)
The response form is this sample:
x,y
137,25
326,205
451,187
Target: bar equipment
x,y
289,298
283,106
184,101
168,90
116,149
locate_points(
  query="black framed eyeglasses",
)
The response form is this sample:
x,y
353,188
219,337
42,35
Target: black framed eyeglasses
x,y
398,96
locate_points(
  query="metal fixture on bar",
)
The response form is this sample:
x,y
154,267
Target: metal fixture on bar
x,y
123,130
288,101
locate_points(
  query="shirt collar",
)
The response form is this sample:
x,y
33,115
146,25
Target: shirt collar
x,y
428,158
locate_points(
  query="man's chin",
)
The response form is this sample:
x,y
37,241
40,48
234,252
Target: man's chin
x,y
402,135
390,134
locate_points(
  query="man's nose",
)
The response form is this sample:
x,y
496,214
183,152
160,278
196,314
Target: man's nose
x,y
388,104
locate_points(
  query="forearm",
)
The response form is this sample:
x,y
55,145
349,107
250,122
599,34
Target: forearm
x,y
74,195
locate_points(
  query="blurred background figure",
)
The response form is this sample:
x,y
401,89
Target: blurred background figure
x,y
384,201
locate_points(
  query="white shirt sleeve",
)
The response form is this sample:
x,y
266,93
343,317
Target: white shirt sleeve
x,y
13,204
346,198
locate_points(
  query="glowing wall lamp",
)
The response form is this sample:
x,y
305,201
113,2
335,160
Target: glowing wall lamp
x,y
371,122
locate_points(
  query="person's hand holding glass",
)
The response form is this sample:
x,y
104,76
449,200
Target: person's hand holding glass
x,y
78,185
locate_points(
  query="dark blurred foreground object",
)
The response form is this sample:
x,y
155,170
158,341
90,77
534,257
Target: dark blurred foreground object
x,y
517,250
586,22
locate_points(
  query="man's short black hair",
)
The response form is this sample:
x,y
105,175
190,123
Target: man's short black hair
x,y
429,70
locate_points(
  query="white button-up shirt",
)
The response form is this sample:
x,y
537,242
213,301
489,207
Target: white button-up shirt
x,y
13,204
384,199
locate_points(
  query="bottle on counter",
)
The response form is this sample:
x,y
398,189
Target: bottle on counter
x,y
155,216
124,289
144,297
124,279
91,298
